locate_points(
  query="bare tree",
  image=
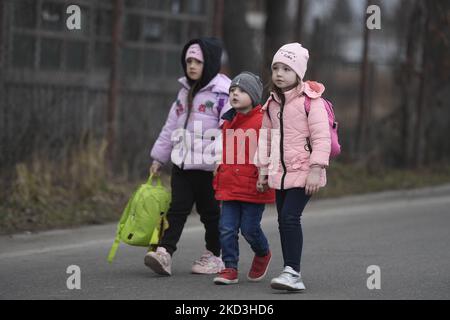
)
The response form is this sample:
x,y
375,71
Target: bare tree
x,y
419,145
278,31
299,21
362,124
318,45
218,18
424,82
434,75
238,37
438,69
114,81
408,76
1,33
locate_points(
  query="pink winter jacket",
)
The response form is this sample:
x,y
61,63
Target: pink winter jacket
x,y
286,157
186,150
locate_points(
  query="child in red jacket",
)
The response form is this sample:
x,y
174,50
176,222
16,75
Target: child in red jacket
x,y
236,181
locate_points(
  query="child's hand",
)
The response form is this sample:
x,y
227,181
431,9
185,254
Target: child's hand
x,y
155,168
313,181
262,184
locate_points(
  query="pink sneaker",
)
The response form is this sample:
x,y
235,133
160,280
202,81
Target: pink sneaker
x,y
208,264
159,261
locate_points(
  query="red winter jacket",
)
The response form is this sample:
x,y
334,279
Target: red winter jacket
x,y
237,175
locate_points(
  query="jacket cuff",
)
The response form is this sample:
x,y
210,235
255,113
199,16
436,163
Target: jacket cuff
x,y
319,158
157,161
264,171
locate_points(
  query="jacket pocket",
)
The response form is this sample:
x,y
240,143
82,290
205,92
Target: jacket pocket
x,y
223,179
244,180
299,163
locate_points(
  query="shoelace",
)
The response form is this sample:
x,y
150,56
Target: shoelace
x,y
163,257
204,259
287,275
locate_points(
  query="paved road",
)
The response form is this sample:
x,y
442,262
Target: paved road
x,y
405,233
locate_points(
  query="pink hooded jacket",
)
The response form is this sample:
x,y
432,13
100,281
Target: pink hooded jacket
x,y
288,128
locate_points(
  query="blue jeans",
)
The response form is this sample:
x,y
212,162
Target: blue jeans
x,y
290,205
247,217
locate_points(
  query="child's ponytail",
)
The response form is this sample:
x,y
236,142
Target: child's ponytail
x,y
191,94
190,99
278,92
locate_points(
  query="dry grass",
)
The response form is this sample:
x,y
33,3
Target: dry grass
x,y
49,194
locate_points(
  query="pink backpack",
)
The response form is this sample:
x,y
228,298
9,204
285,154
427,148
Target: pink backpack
x,y
335,146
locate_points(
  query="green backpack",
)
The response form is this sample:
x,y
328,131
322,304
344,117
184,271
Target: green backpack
x,y
143,221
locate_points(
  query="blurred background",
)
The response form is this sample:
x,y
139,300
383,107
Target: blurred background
x,y
80,109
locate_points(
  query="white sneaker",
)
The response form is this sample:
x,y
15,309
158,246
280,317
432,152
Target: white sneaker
x,y
289,279
208,264
159,261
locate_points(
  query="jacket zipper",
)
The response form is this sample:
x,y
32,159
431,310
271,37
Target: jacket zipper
x,y
184,134
282,147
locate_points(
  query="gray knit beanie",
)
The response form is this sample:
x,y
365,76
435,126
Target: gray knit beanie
x,y
251,84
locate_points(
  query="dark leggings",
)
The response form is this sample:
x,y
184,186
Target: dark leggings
x,y
189,187
290,205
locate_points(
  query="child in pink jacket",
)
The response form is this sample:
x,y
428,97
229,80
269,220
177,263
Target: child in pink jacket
x,y
298,147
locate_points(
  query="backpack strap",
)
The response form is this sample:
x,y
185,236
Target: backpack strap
x,y
158,233
123,219
116,243
307,104
150,181
114,247
268,105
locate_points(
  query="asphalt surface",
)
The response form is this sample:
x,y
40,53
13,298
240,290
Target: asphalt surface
x,y
404,233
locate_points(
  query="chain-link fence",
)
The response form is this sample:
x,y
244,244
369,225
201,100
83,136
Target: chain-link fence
x,y
55,82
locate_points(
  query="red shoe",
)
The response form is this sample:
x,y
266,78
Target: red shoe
x,y
259,267
227,276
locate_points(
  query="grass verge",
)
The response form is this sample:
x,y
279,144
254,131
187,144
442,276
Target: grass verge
x,y
79,191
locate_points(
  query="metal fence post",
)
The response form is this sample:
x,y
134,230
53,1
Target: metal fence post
x,y
113,91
